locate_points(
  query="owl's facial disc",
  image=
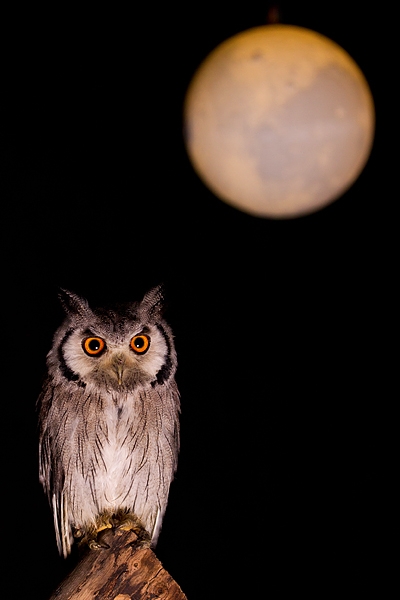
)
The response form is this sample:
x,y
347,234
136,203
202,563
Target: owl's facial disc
x,y
120,362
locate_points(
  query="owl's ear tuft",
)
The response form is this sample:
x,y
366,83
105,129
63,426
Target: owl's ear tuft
x,y
72,303
153,302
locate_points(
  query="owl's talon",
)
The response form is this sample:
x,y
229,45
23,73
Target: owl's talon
x,y
95,538
96,545
77,533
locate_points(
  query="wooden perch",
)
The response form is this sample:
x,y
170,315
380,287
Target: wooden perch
x,y
121,572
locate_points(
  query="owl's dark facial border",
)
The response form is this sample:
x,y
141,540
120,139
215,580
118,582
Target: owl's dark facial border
x,y
165,372
64,368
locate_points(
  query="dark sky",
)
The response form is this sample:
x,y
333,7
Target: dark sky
x,y
279,325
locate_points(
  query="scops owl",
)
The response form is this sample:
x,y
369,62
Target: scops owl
x,y
109,420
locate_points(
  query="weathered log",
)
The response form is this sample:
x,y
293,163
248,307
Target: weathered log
x,y
120,572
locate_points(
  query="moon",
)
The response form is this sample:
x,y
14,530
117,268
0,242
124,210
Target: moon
x,y
279,121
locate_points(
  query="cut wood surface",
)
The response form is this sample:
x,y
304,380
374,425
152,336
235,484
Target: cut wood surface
x,y
121,572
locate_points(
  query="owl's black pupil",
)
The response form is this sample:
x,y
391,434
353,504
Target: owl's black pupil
x,y
139,343
94,345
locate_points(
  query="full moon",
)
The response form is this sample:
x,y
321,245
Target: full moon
x,y
279,121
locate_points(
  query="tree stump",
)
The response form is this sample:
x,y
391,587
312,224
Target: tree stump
x,y
120,572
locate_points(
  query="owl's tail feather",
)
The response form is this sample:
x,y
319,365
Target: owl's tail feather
x,y
61,525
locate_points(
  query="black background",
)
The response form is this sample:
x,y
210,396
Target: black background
x,y
280,325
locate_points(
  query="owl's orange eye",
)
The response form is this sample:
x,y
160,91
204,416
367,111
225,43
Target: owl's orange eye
x,y
94,346
140,343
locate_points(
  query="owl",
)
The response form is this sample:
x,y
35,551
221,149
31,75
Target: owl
x,y
109,420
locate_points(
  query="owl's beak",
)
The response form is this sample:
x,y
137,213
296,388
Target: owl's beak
x,y
120,371
119,364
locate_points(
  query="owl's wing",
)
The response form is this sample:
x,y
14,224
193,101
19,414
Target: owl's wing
x,y
171,439
51,473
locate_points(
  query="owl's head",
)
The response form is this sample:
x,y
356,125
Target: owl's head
x,y
115,349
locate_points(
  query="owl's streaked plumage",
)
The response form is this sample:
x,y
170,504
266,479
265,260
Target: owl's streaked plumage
x,y
109,418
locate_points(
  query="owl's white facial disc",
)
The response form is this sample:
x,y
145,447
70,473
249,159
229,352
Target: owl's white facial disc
x,y
118,364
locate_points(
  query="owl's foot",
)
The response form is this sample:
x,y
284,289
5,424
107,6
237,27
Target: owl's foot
x,y
94,539
97,543
123,521
130,522
92,536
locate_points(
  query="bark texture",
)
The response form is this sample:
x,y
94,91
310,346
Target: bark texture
x,y
120,572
